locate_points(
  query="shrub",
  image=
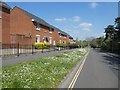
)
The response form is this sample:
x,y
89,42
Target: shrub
x,y
46,45
73,45
61,45
41,45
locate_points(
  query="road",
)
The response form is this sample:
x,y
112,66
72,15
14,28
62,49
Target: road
x,y
99,71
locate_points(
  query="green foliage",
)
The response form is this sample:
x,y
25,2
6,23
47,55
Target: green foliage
x,y
112,38
61,45
41,45
97,42
83,44
46,45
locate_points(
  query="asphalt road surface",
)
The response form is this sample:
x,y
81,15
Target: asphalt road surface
x,y
99,71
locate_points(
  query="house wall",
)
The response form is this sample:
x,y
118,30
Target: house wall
x,y
44,31
20,27
58,38
71,41
67,39
5,26
63,39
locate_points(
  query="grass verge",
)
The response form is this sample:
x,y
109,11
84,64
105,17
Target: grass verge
x,y
47,72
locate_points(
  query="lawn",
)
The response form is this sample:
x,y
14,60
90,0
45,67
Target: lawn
x,y
47,72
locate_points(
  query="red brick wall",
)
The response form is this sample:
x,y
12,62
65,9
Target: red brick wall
x,y
5,26
58,38
21,24
44,31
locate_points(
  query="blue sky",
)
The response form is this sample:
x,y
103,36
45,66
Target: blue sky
x,y
79,19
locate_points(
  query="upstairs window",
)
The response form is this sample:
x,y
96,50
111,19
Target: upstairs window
x,y
37,26
51,30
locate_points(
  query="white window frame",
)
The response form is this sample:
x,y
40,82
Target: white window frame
x,y
50,40
54,42
39,38
50,31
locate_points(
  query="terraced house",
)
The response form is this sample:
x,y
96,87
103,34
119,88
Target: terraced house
x,y
26,28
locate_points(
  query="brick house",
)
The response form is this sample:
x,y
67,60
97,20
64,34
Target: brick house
x,y
4,23
71,41
20,26
27,28
60,36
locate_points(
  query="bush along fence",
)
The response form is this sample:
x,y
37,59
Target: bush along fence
x,y
18,49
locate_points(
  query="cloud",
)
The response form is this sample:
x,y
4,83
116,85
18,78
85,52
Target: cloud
x,y
60,19
93,5
86,26
76,18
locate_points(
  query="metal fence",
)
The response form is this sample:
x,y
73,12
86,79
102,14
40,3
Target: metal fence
x,y
18,49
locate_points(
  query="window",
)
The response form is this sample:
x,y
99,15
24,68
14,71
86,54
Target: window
x,y
37,38
37,26
46,39
51,30
54,42
60,35
50,40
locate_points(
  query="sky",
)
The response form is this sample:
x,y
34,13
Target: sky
x,y
79,19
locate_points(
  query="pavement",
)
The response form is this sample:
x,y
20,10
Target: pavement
x,y
100,70
14,59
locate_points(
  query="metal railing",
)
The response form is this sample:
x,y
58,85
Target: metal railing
x,y
18,49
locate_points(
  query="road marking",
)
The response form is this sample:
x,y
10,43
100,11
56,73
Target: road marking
x,y
77,73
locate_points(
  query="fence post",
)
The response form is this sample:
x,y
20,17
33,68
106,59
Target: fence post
x,y
18,49
42,48
54,47
49,48
32,48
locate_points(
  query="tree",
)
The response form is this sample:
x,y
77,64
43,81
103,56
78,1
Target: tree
x,y
110,36
117,37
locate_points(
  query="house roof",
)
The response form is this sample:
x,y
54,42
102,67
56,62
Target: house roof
x,y
3,4
70,36
62,32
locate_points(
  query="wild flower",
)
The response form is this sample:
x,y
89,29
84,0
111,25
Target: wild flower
x,y
45,72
